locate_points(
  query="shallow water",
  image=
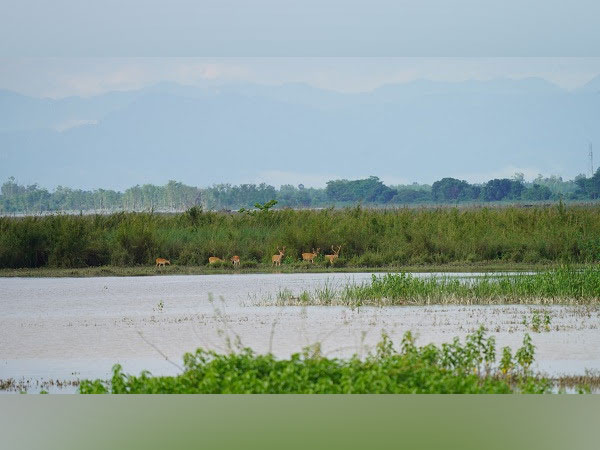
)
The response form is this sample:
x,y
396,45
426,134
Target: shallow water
x,y
70,328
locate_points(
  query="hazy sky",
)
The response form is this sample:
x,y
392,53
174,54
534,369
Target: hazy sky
x,y
60,77
299,28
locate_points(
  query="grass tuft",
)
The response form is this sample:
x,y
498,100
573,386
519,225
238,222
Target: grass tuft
x,y
562,286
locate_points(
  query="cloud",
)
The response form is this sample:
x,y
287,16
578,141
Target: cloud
x,y
74,123
66,77
61,77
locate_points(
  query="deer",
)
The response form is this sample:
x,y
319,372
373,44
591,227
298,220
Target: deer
x,y
214,260
277,258
336,253
235,260
162,262
311,256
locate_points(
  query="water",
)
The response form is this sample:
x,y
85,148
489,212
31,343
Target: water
x,y
73,328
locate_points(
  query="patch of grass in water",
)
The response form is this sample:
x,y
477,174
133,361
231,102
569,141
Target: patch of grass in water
x,y
562,286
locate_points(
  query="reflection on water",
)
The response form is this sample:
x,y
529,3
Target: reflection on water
x,y
69,328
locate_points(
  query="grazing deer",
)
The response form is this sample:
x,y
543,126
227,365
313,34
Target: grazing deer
x,y
277,258
311,256
162,262
214,260
235,260
336,253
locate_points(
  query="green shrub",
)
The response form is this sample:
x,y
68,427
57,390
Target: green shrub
x,y
468,368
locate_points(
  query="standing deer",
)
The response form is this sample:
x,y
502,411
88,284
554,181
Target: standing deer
x,y
336,253
311,256
277,258
214,260
160,262
235,260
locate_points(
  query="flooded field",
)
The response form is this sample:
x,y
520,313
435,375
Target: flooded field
x,y
66,329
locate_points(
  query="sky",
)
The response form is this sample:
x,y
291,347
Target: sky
x,y
74,76
63,77
299,28
69,47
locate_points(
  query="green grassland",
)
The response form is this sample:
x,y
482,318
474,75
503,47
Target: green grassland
x,y
419,239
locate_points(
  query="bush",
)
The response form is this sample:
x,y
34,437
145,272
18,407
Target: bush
x,y
466,368
136,240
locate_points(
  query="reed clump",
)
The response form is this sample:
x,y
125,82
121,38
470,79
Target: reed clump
x,y
562,286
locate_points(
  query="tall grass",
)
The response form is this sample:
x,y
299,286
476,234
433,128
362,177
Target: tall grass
x,y
564,285
455,367
369,238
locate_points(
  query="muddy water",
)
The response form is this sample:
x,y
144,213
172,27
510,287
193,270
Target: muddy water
x,y
65,329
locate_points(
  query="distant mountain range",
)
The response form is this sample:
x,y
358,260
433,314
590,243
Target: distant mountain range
x,y
417,131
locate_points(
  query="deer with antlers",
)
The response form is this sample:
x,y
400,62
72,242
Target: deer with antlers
x,y
335,255
235,260
277,258
311,256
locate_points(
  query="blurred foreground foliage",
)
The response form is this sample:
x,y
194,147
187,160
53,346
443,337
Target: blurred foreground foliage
x,y
467,367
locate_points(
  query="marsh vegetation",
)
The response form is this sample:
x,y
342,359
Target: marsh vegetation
x,y
468,367
505,237
562,286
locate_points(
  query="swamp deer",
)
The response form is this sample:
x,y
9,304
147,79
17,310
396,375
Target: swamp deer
x,y
214,260
311,256
277,258
235,260
162,262
336,254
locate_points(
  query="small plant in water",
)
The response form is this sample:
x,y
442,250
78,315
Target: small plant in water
x,y
525,354
506,363
539,322
547,321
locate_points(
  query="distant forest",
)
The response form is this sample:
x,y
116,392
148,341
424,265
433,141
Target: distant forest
x,y
175,196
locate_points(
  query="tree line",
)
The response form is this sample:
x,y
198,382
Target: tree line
x,y
176,196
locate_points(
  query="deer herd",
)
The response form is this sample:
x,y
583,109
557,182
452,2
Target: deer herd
x,y
275,259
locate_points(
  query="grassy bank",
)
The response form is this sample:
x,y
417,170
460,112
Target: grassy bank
x,y
562,286
151,270
469,367
368,238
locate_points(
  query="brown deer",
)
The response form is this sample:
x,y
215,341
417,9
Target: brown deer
x,y
160,262
214,260
235,260
277,258
311,256
336,254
